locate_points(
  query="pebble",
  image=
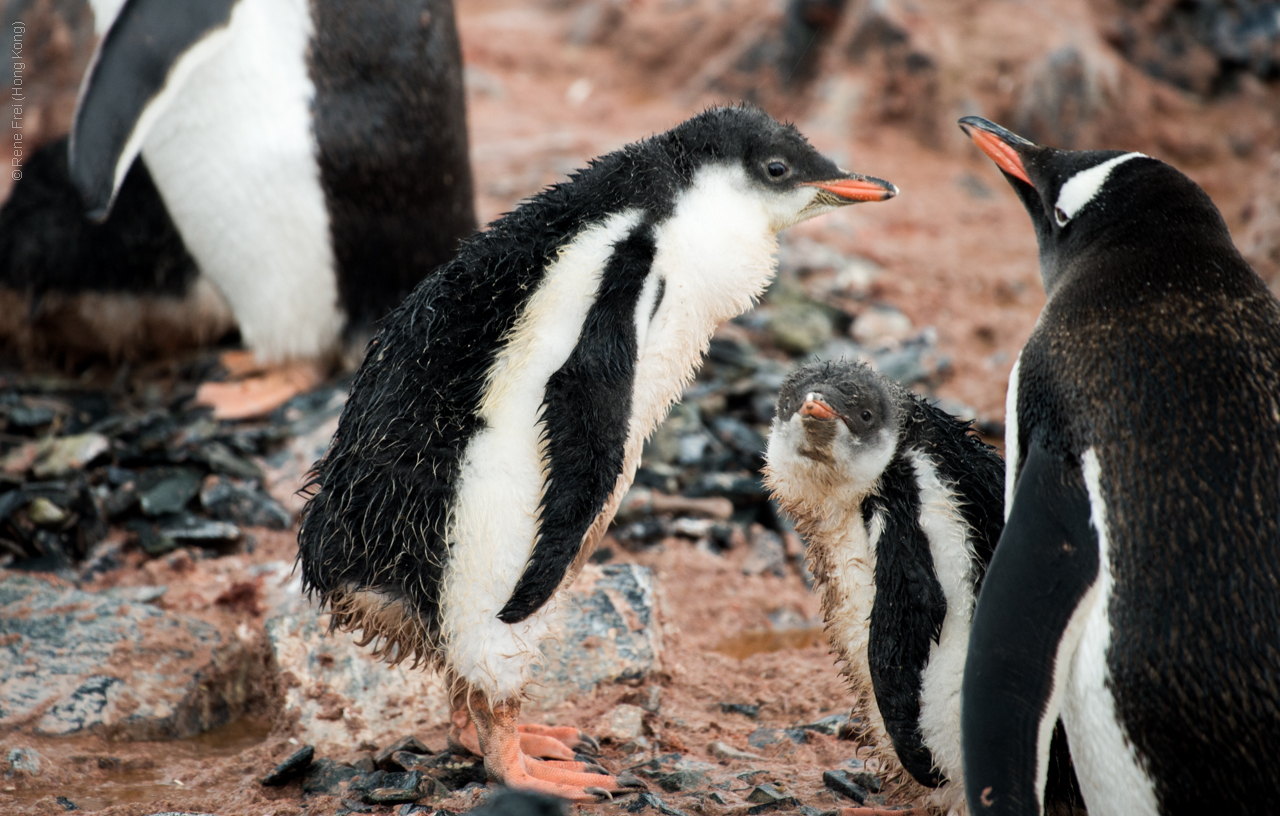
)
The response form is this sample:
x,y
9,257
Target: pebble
x,y
164,490
768,554
682,781
751,710
522,803
64,455
621,723
841,783
878,325
242,502
800,328
386,758
292,768
45,513
721,750
648,800
23,761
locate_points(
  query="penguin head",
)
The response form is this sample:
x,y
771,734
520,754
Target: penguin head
x,y
770,161
1080,200
835,430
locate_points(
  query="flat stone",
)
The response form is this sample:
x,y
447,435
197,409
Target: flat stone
x,y
164,490
682,781
66,658
242,502
830,726
385,759
45,513
327,776
722,750
648,800
621,723
292,768
751,710
64,455
188,528
840,782
523,803
880,325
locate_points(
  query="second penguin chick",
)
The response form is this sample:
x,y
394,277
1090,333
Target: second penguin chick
x,y
901,506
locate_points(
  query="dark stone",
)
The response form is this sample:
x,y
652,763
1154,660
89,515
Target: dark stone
x,y
682,781
66,803
221,459
398,788
295,766
386,760
243,503
164,490
327,776
827,725
868,780
149,537
764,737
648,800
765,794
410,809
453,772
522,803
840,782
188,528
28,416
734,486
352,806
745,709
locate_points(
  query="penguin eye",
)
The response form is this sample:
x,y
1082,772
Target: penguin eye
x,y
1061,217
866,416
776,169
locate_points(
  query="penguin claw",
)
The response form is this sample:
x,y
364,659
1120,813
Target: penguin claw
x,y
587,744
601,794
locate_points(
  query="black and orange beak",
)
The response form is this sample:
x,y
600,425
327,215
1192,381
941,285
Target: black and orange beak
x,y
1003,146
816,408
853,188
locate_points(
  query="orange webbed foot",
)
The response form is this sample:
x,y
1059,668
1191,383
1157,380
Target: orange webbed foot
x,y
258,389
508,752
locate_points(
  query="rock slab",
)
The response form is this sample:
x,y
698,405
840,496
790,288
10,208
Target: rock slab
x,y
342,695
74,662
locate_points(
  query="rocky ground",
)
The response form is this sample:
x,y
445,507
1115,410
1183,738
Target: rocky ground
x,y
154,652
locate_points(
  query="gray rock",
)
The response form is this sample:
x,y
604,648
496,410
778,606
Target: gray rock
x,y
23,761
167,489
621,723
342,695
767,553
64,455
242,502
800,328
69,657
609,632
293,767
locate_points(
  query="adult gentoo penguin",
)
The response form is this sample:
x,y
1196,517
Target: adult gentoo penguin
x,y
1135,590
499,415
901,505
311,154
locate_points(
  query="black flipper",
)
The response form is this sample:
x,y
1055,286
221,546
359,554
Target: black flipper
x,y
127,79
1044,565
587,416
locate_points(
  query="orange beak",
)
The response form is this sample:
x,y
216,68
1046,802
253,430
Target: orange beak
x,y
816,408
857,188
1000,151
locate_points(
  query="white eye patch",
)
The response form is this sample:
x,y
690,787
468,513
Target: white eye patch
x,y
1083,186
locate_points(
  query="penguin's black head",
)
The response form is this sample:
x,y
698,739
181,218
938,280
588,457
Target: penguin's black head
x,y
1080,200
771,160
837,423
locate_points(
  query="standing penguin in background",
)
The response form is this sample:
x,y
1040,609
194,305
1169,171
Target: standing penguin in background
x,y
312,158
901,506
1135,591
499,415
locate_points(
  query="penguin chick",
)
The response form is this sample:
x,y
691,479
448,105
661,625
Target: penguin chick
x,y
1135,591
900,504
499,415
310,159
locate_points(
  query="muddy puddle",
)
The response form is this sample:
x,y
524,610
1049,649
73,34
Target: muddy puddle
x,y
761,641
130,772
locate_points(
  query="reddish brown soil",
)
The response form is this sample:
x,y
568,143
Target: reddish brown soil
x,y
961,262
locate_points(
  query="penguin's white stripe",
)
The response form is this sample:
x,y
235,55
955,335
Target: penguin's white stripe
x,y
1081,188
644,311
1111,775
1011,436
951,547
493,521
266,244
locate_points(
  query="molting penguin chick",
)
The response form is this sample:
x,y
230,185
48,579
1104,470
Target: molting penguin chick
x,y
499,415
900,504
1135,591
310,158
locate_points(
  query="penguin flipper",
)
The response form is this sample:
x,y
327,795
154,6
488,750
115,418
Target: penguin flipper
x,y
1022,636
140,65
587,417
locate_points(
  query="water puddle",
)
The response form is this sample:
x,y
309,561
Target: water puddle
x,y
138,774
759,641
